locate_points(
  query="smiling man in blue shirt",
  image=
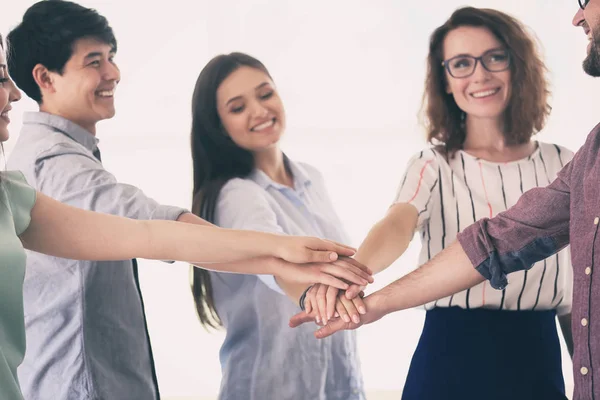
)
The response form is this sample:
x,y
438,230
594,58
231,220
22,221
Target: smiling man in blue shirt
x,y
86,328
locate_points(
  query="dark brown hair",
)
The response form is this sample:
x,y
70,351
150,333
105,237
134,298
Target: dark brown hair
x,y
528,107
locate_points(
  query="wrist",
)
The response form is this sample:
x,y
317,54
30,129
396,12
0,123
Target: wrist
x,y
303,297
380,303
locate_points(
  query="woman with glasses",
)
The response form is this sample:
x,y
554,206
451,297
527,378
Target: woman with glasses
x,y
485,97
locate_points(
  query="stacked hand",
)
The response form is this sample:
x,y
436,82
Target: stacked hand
x,y
374,312
310,260
323,303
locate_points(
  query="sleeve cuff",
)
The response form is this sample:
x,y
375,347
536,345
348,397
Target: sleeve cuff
x,y
168,213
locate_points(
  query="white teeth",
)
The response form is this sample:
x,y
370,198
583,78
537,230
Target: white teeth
x,y
264,125
4,114
106,93
486,93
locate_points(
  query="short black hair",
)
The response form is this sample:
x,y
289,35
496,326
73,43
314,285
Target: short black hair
x,y
46,36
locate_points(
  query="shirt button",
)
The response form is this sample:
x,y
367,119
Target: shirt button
x,y
588,271
596,220
584,322
583,371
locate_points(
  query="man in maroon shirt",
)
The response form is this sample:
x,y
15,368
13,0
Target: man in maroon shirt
x,y
543,221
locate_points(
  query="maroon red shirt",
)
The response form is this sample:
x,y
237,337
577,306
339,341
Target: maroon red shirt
x,y
544,221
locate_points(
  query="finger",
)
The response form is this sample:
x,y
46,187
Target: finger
x,y
344,273
299,319
322,302
353,291
351,309
357,264
309,299
341,310
324,278
324,256
360,305
343,262
340,249
332,294
330,329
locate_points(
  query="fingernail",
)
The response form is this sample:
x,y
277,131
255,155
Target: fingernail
x,y
356,319
346,318
362,310
318,319
332,256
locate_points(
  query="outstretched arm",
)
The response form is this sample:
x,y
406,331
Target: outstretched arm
x,y
64,231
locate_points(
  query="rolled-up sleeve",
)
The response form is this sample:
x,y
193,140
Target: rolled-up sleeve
x,y
243,204
536,227
76,178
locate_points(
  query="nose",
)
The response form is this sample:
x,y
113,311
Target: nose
x,y
111,72
15,93
257,110
480,74
579,18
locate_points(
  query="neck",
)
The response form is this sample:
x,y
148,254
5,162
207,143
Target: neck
x,y
485,139
270,162
90,127
484,134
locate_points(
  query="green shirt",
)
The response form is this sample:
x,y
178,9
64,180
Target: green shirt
x,y
16,201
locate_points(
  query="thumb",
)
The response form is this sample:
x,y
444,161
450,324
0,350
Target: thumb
x,y
299,319
331,328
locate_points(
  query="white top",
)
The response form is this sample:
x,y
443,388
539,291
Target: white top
x,y
452,195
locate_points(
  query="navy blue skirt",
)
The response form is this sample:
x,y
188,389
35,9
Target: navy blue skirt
x,y
483,354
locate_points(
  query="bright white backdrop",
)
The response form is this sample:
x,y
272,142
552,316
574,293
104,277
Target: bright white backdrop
x,y
351,75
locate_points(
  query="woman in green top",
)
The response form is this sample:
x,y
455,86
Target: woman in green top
x,y
30,220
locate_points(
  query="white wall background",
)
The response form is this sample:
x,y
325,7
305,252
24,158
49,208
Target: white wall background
x,y
351,75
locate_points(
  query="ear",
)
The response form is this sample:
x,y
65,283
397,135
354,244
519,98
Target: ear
x,y
43,78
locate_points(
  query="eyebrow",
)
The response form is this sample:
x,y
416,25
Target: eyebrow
x,y
469,55
96,54
239,97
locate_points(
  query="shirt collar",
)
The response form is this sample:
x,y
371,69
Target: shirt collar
x,y
64,126
301,178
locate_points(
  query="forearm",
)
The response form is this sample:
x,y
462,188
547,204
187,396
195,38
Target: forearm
x,y
190,218
253,266
293,290
447,273
69,232
388,239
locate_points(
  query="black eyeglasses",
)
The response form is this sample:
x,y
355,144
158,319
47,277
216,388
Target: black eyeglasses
x,y
463,66
583,3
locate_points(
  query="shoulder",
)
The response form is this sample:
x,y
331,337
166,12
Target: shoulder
x,y
240,194
241,187
556,151
311,172
428,158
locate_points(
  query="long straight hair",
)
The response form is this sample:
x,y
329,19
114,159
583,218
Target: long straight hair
x,y
216,159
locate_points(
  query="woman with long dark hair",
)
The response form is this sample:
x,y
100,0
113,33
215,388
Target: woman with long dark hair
x,y
243,180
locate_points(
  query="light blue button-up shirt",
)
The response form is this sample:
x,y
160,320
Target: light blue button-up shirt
x,y
262,358
85,325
